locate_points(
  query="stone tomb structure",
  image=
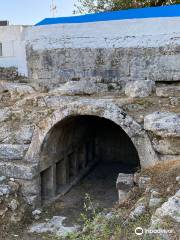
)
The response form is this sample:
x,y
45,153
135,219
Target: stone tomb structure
x,y
95,92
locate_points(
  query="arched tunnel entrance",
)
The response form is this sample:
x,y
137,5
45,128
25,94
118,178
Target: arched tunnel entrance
x,y
76,145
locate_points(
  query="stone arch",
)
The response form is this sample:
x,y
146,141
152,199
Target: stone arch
x,y
98,108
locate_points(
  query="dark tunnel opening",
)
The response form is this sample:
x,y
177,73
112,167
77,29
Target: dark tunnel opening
x,y
80,144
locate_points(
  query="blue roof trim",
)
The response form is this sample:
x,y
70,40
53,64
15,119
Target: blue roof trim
x,y
149,12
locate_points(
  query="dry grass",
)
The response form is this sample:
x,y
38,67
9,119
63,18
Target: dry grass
x,y
163,176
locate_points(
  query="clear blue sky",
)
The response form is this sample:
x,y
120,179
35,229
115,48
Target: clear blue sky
x,y
32,11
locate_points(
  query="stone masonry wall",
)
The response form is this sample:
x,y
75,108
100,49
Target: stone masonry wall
x,y
52,67
118,51
148,113
125,71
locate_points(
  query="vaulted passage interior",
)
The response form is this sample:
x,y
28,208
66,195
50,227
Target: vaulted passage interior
x,y
76,145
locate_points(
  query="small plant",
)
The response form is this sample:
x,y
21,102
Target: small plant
x,y
95,223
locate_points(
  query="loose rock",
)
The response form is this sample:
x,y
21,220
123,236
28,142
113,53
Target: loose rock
x,y
13,205
4,189
138,211
139,88
123,184
143,182
82,87
53,226
165,124
171,209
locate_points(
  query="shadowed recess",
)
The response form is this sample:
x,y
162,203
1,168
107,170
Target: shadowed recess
x,y
77,145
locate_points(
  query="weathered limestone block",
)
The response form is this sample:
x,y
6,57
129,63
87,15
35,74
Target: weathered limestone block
x,y
32,154
174,101
164,157
124,184
12,151
137,212
164,124
4,133
21,135
50,63
30,187
82,87
13,205
5,113
55,101
4,189
155,199
15,89
170,91
34,201
37,214
55,226
18,170
170,209
139,88
143,182
14,185
155,202
24,134
30,190
169,146
125,181
139,209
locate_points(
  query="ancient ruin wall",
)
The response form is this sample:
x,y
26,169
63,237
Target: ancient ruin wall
x,y
126,72
123,50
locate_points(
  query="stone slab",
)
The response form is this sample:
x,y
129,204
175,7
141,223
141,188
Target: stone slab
x,y
18,170
12,151
164,124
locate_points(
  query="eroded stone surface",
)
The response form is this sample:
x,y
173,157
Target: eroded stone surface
x,y
125,181
15,89
138,211
82,87
12,151
20,134
143,182
124,184
18,170
165,124
168,146
155,199
4,189
171,209
170,91
139,88
5,113
54,226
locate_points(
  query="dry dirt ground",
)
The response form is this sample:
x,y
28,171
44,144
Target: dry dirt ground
x,y
99,184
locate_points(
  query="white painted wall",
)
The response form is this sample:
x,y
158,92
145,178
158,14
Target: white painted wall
x,y
109,34
151,32
13,48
